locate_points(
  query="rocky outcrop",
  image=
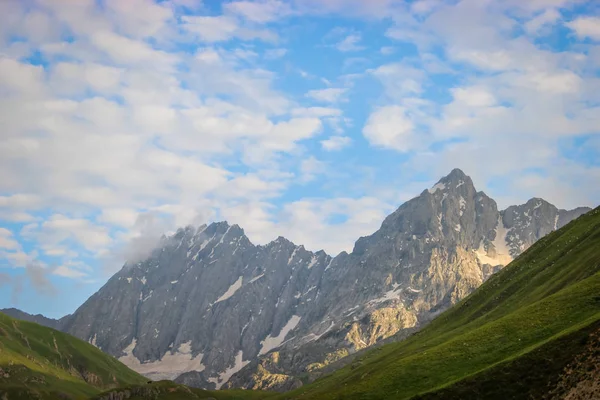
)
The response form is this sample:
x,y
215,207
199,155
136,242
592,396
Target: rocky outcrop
x,y
209,308
581,378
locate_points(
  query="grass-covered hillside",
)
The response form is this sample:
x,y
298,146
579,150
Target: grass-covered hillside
x,y
514,338
41,363
37,362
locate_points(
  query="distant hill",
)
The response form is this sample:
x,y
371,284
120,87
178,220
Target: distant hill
x,y
37,318
531,331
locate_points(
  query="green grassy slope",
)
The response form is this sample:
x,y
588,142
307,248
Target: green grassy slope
x,y
40,362
37,362
540,308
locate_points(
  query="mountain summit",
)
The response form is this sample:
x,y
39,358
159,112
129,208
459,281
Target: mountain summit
x,y
210,308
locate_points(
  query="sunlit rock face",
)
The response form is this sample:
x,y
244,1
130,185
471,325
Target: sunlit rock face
x,y
209,308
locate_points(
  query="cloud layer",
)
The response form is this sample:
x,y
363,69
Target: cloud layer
x,y
124,120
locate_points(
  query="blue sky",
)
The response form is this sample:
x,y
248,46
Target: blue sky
x,y
310,119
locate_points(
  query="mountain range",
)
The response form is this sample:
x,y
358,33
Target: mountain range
x,y
210,309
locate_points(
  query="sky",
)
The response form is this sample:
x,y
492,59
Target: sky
x,y
309,119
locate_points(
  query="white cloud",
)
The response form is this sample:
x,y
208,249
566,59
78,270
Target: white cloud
x,y
311,168
546,18
328,95
387,50
7,241
399,80
391,127
261,11
273,54
125,51
586,27
350,43
67,272
222,28
335,143
474,96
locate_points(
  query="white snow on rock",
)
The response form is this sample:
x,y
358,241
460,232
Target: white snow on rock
x,y
309,290
174,282
457,228
389,295
292,256
330,262
463,205
228,373
129,280
311,337
149,295
313,261
143,280
436,187
502,256
170,366
257,278
271,342
231,291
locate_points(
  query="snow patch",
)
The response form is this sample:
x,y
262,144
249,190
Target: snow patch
x,y
313,261
174,282
143,280
271,342
292,256
436,187
329,265
257,278
502,256
223,237
457,227
170,366
309,289
312,337
463,205
129,280
389,295
231,291
149,295
224,377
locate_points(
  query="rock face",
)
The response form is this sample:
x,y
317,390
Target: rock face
x,y
209,308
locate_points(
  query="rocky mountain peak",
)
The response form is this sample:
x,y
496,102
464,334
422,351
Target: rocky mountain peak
x,y
208,302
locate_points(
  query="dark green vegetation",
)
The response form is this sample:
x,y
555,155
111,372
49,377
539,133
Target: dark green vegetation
x,y
42,363
511,338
